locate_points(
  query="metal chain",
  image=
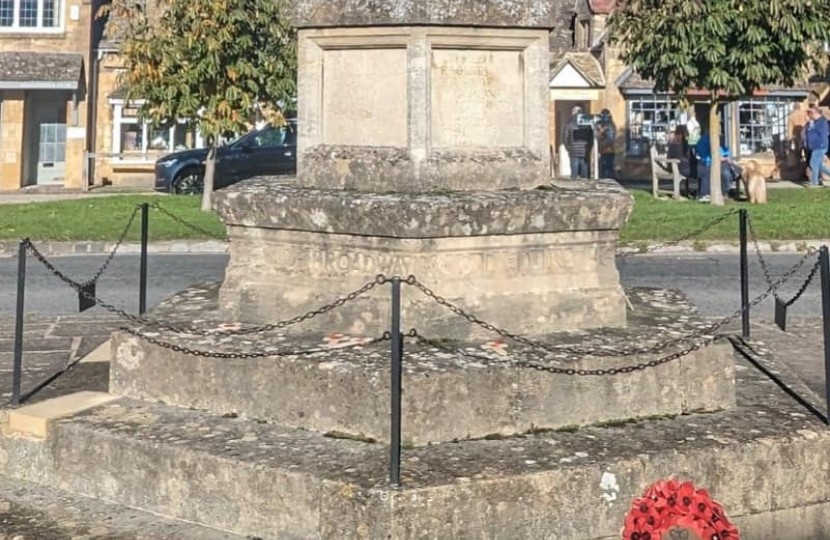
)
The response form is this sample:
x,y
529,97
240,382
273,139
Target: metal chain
x,y
150,323
243,355
189,225
97,275
806,284
689,236
604,352
768,273
566,371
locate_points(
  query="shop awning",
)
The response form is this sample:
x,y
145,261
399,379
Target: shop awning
x,y
630,82
40,71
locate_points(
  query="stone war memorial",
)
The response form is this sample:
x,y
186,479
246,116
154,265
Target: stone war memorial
x,y
539,397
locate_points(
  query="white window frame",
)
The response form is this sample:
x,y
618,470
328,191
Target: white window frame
x,y
778,125
145,155
15,28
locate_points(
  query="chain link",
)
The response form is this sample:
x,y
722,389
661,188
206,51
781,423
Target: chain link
x,y
189,225
150,323
249,355
603,352
768,273
689,236
565,371
97,275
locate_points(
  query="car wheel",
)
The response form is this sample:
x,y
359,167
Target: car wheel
x,y
189,182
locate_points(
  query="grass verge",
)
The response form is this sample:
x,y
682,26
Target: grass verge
x,y
790,214
104,218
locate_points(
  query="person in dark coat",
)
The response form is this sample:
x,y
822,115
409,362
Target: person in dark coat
x,y
579,141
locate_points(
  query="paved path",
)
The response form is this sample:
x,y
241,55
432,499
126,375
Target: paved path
x,y
51,345
25,196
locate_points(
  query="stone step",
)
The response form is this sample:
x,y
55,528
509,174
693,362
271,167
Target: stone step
x,y
29,511
462,391
760,458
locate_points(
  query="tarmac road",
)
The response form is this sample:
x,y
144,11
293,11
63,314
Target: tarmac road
x,y
710,280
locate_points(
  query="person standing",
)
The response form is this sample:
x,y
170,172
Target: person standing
x,y
607,136
817,140
577,140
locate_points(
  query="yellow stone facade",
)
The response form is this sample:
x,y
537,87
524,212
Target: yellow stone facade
x,y
22,102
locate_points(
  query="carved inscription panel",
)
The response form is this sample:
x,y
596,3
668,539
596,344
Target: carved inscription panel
x,y
477,99
365,97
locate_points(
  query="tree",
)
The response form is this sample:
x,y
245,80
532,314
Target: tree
x,y
729,48
212,63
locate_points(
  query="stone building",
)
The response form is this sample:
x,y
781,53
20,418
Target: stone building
x,y
63,120
586,71
45,52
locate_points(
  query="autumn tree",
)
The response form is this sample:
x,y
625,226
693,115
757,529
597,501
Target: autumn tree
x,y
729,48
213,63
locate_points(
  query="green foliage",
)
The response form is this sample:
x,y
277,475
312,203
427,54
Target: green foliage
x,y
211,62
728,47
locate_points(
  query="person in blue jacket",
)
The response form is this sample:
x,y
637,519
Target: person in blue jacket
x,y
729,171
817,140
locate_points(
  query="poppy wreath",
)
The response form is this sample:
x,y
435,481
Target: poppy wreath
x,y
671,506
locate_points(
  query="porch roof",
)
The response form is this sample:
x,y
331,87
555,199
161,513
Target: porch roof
x,y
585,63
40,71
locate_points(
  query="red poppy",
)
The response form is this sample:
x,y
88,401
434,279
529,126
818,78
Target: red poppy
x,y
669,505
725,530
702,508
685,497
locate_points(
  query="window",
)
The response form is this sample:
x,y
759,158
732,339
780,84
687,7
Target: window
x,y
762,125
142,141
583,34
30,15
270,138
651,120
6,13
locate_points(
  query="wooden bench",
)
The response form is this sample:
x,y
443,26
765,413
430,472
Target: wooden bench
x,y
663,168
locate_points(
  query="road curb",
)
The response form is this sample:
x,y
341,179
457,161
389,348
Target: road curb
x,y
57,249
771,246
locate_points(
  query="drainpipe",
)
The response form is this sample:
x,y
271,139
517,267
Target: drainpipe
x,y
92,96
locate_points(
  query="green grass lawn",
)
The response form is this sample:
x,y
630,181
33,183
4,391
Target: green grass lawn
x,y
792,214
103,218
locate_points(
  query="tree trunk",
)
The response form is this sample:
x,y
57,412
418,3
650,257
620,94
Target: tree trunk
x,y
715,189
210,173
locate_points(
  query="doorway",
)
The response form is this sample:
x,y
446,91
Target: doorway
x,y
45,139
562,113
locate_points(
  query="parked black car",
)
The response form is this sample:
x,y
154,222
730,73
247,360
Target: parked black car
x,y
267,151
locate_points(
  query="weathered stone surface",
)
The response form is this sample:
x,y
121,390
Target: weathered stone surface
x,y
509,13
414,108
764,457
260,204
538,260
29,511
489,393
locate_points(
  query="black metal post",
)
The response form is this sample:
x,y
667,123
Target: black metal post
x,y
17,368
397,361
142,283
744,273
824,259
